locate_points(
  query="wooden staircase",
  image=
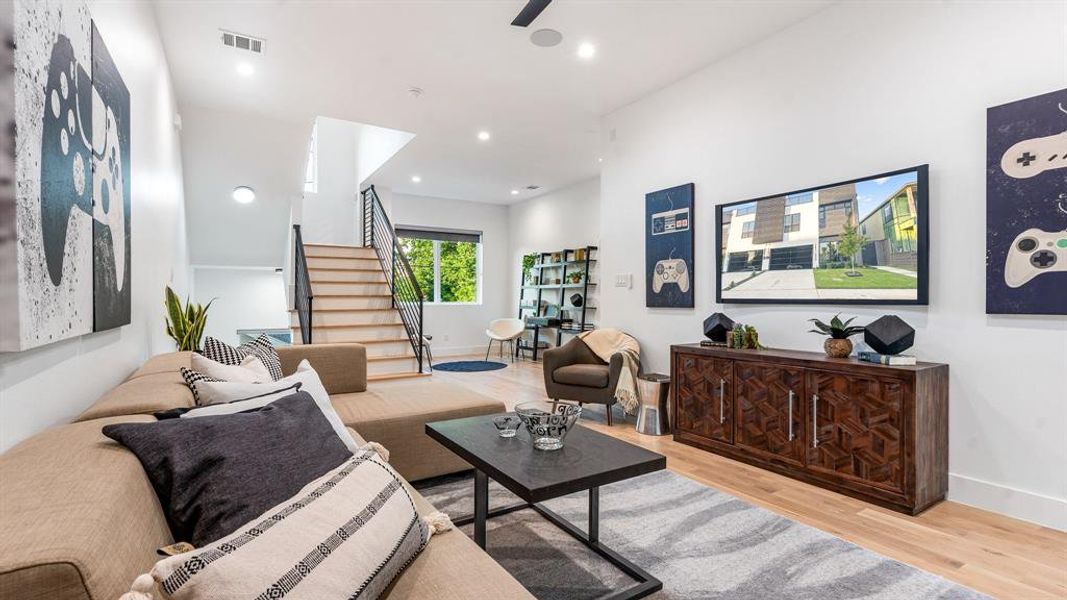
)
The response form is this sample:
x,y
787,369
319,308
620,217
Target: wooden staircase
x,y
353,304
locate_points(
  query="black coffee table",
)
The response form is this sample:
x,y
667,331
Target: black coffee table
x,y
587,461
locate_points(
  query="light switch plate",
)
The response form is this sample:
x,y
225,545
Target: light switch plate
x,y
624,280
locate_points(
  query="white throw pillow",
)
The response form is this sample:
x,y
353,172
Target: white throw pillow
x,y
223,392
251,369
347,534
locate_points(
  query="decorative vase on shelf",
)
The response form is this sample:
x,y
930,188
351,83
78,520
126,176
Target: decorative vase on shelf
x,y
837,348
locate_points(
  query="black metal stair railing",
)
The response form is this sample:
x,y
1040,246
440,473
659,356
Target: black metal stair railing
x,y
378,233
302,294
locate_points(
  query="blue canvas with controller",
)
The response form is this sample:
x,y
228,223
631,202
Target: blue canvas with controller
x,y
669,247
1026,206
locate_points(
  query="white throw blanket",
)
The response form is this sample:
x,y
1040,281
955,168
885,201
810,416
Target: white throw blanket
x,y
606,343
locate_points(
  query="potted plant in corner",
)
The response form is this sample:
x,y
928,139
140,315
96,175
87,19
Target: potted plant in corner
x,y
837,344
185,324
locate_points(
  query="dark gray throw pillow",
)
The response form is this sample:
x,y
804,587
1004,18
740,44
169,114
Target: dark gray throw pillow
x,y
214,474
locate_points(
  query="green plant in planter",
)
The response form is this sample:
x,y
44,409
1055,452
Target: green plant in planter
x,y
576,277
185,324
837,344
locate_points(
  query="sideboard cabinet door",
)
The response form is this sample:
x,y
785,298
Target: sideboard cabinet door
x,y
705,397
857,428
770,409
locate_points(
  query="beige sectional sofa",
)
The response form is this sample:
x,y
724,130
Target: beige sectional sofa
x,y
79,519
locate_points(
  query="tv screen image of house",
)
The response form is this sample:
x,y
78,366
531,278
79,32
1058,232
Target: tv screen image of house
x,y
862,241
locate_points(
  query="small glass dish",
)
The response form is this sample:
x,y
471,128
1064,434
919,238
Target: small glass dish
x,y
507,425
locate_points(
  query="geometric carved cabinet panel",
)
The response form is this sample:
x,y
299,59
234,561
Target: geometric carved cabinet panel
x,y
770,410
876,432
859,424
704,400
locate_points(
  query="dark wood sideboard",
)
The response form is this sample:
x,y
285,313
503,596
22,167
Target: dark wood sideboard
x,y
875,432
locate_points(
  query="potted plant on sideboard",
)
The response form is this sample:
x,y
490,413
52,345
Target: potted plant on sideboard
x,y
837,344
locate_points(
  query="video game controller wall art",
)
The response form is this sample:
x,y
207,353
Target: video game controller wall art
x,y
1026,206
71,116
669,247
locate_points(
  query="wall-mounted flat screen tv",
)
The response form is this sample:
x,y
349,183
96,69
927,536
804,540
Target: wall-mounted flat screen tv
x,y
864,241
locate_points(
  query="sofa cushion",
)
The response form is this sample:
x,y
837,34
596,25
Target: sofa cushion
x,y
342,367
261,347
164,363
595,376
143,394
433,574
79,517
395,415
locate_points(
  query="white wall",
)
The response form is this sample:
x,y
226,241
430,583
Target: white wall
x,y
460,328
244,298
330,215
222,150
863,88
565,218
52,384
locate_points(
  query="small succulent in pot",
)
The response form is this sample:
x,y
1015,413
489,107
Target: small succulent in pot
x,y
837,344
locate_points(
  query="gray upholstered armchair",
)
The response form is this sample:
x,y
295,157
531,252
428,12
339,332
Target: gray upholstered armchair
x,y
573,372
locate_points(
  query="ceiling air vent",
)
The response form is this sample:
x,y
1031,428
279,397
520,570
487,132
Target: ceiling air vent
x,y
242,42
533,187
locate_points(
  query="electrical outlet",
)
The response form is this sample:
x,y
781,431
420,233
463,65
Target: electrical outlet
x,y
624,280
445,337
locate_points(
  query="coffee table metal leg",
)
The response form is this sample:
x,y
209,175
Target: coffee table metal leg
x,y
481,507
594,514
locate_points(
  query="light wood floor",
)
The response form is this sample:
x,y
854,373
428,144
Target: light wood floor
x,y
991,553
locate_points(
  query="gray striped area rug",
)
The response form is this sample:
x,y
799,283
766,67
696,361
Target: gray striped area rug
x,y
702,543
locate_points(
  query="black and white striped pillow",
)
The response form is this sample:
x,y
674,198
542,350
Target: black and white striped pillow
x,y
191,377
228,355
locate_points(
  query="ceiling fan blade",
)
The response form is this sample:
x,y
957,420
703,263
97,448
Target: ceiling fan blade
x,y
530,12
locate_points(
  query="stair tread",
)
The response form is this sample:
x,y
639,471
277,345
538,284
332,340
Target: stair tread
x,y
325,245
336,295
383,309
349,325
349,281
386,358
357,269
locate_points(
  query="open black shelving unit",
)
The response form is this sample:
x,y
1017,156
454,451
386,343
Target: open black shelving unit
x,y
540,289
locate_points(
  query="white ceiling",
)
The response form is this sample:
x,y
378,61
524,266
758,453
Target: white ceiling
x,y
356,60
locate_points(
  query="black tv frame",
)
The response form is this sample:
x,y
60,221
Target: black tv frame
x,y
922,202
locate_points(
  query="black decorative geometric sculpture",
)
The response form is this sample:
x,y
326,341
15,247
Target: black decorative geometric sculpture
x,y
716,326
577,300
889,334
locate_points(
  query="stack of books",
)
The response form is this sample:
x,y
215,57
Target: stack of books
x,y
886,359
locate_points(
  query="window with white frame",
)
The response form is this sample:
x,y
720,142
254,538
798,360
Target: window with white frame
x,y
447,263
311,170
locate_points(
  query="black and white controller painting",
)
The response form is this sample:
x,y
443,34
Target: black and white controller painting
x,y
71,254
1026,206
669,247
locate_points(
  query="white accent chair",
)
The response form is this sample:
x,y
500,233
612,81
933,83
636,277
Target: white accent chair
x,y
504,330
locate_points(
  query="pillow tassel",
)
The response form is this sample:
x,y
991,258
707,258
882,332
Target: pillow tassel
x,y
376,447
141,589
438,522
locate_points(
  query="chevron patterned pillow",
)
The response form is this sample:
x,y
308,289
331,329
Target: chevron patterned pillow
x,y
228,355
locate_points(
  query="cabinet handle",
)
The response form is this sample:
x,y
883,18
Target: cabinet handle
x,y
791,436
722,394
814,420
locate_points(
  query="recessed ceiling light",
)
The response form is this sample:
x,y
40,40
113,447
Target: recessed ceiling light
x,y
546,38
586,50
600,159
514,192
245,70
244,194
415,179
483,135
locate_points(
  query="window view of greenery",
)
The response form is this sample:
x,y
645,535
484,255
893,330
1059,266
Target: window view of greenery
x,y
420,256
459,272
457,269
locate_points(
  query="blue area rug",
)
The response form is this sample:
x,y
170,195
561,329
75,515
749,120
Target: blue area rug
x,y
469,366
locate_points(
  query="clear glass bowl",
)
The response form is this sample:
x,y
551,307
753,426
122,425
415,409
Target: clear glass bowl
x,y
548,422
507,425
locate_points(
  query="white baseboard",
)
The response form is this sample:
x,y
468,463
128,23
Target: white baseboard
x,y
1020,504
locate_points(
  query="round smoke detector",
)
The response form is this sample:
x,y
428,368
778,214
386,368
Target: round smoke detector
x,y
546,38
